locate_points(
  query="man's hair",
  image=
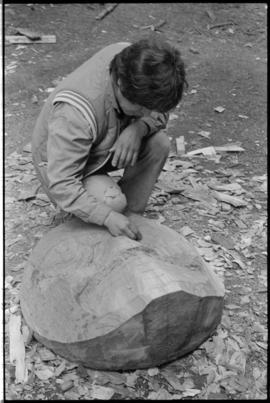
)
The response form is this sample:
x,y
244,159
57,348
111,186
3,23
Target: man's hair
x,y
152,74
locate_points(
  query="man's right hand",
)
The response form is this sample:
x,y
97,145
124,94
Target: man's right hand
x,y
118,224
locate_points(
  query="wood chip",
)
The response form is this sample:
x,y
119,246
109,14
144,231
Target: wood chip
x,y
263,187
11,39
65,386
162,394
210,14
202,195
58,371
154,27
262,345
17,349
240,223
172,379
114,378
82,390
27,195
232,187
131,379
44,373
244,300
223,240
50,89
43,197
160,219
27,148
46,355
237,259
40,203
205,151
117,173
70,376
173,116
191,392
169,166
180,145
259,178
9,200
229,148
101,392
219,109
185,231
72,395
204,133
193,50
153,371
34,99
220,25
105,12
235,201
232,306
28,33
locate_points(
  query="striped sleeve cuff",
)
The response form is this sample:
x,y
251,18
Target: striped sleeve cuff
x,y
82,104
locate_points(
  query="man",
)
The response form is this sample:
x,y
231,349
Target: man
x,y
109,114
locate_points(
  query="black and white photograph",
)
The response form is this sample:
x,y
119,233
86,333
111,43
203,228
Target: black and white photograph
x,y
134,178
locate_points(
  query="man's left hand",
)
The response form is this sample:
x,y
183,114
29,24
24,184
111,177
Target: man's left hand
x,y
126,148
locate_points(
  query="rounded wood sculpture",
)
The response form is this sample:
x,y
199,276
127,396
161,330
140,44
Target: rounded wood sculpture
x,y
115,303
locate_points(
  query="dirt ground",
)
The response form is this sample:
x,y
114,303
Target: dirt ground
x,y
225,52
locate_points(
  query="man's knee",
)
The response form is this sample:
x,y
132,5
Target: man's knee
x,y
160,145
106,190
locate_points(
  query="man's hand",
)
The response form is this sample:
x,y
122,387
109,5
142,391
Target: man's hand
x,y
126,148
118,224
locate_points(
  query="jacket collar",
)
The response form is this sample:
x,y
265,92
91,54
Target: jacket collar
x,y
110,95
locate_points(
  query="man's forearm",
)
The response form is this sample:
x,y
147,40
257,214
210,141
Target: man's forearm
x,y
155,122
142,128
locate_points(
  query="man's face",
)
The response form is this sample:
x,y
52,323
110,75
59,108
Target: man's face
x,y
129,108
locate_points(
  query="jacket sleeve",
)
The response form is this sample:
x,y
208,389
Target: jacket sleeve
x,y
155,122
69,142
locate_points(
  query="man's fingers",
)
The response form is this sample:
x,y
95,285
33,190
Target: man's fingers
x,y
122,159
128,159
134,229
130,233
134,158
138,236
116,155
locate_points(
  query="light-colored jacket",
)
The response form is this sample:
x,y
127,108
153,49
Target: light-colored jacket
x,y
77,126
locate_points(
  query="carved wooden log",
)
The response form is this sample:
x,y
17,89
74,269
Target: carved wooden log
x,y
115,303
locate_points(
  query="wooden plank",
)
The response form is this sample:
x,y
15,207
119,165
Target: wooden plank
x,y
180,145
23,39
16,348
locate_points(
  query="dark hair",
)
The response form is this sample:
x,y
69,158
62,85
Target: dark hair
x,y
152,74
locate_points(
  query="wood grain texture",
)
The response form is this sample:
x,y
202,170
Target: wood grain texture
x,y
114,303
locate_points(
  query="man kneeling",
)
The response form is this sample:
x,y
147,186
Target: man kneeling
x,y
109,114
